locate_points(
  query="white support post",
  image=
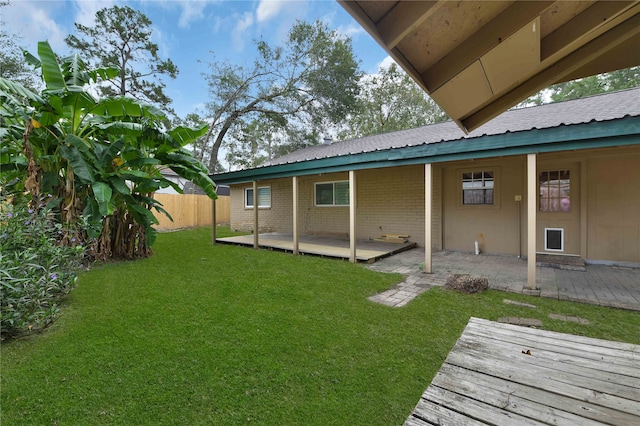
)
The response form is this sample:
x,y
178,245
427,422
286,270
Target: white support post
x,y
352,216
255,215
296,242
532,198
428,194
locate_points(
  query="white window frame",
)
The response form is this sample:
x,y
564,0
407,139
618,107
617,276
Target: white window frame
x,y
483,186
260,206
315,192
496,187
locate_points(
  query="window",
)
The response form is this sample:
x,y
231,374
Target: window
x,y
332,193
264,197
477,188
555,191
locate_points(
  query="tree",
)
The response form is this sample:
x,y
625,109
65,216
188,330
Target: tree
x,y
587,86
592,85
121,38
390,101
12,63
307,84
97,160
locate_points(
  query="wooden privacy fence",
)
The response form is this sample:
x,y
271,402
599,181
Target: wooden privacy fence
x,y
189,210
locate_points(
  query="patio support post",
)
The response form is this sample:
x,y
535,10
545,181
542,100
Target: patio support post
x,y
532,198
255,214
352,216
296,241
428,193
214,219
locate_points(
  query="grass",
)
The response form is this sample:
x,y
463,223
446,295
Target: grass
x,y
202,334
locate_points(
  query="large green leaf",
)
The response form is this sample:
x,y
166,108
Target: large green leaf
x,y
74,70
186,135
82,168
141,162
121,106
197,177
78,143
93,218
10,88
120,185
113,149
141,214
122,128
51,73
103,193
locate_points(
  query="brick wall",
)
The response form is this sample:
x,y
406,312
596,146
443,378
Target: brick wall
x,y
389,200
277,218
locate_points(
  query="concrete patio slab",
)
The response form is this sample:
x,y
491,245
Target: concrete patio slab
x,y
612,286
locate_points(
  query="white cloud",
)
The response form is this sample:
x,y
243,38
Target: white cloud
x,y
386,63
191,11
351,30
268,9
34,21
86,10
239,33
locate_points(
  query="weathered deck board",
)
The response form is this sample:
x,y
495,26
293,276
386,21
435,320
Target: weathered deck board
x,y
366,250
488,378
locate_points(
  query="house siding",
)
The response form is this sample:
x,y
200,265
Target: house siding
x,y
277,218
613,206
605,186
494,227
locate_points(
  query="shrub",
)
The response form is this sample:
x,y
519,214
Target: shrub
x,y
37,271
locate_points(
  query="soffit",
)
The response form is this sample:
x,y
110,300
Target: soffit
x,y
477,59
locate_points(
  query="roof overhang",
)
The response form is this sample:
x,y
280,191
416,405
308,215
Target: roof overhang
x,y
593,135
477,59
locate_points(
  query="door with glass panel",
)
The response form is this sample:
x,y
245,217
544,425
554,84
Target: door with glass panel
x,y
559,210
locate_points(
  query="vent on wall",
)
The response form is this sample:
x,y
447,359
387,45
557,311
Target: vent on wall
x,y
554,239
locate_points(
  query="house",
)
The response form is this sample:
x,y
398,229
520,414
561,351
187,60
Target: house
x,y
561,178
187,186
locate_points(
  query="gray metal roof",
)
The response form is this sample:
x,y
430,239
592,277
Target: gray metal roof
x,y
604,107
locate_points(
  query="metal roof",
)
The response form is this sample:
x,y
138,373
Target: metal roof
x,y
513,132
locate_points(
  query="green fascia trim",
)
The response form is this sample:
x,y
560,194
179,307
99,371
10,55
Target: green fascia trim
x,y
622,132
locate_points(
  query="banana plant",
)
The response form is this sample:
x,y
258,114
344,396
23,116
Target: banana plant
x,y
99,159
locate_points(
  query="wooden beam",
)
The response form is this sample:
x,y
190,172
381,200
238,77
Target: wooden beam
x,y
352,216
255,215
296,237
532,208
428,196
403,18
555,72
574,32
489,36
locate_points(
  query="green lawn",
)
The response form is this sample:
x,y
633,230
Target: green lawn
x,y
202,334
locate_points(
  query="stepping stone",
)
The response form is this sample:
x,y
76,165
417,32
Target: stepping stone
x,y
569,318
526,322
515,302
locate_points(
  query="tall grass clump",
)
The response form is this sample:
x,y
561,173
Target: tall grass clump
x,y
37,271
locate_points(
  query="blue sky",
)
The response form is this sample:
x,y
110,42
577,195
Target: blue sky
x,y
186,32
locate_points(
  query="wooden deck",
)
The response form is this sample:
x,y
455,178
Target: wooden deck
x,y
501,374
366,250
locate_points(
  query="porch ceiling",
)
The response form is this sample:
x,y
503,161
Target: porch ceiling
x,y
477,59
